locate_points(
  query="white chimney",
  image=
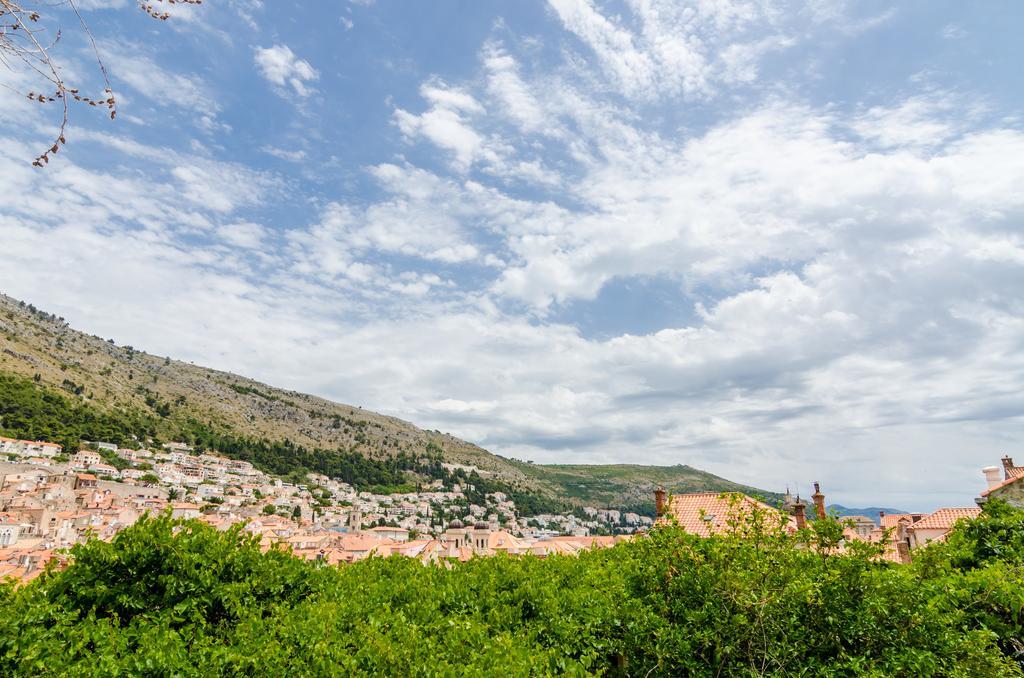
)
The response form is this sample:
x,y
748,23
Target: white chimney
x,y
992,476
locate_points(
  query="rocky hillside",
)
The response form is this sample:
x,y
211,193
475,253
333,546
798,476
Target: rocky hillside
x,y
174,400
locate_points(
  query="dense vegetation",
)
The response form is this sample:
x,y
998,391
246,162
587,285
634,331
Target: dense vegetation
x,y
33,412
185,599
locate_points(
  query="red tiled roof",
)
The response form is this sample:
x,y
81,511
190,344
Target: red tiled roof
x,y
550,547
945,518
706,512
893,519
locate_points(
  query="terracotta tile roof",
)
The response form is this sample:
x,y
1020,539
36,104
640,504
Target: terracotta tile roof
x,y
309,539
850,534
893,519
1014,471
417,548
503,541
945,518
15,571
705,512
361,542
549,547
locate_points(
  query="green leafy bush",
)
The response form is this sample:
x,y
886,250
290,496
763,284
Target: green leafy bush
x,y
180,598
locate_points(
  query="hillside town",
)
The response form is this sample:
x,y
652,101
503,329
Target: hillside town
x,y
50,501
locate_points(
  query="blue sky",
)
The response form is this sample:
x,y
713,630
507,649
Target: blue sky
x,y
781,241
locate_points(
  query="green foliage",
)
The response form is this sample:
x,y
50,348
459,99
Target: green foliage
x,y
996,536
980,570
114,460
180,598
31,412
528,503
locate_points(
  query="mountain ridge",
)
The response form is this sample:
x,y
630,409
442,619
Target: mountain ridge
x,y
171,397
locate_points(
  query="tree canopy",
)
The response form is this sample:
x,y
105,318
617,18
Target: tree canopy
x,y
181,598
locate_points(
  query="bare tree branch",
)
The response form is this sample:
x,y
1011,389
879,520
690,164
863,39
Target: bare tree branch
x,y
22,40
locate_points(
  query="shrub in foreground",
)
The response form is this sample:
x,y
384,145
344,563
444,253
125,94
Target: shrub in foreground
x,y
180,598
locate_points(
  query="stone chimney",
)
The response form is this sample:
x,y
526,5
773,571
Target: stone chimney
x,y
800,513
903,551
1007,466
819,502
992,476
660,502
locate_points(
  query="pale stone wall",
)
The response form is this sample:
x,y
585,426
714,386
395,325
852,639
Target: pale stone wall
x,y
1012,494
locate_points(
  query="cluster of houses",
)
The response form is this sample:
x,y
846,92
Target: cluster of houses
x,y
50,501
707,513
899,534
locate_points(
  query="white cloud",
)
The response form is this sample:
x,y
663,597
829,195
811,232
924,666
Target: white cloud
x,y
925,120
131,65
445,123
422,217
291,155
449,124
505,83
281,67
663,48
243,234
685,49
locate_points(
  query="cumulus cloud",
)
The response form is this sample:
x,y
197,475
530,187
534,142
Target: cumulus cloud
x,y
445,123
281,67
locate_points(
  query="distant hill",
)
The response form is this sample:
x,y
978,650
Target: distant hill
x,y
632,486
64,384
870,512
